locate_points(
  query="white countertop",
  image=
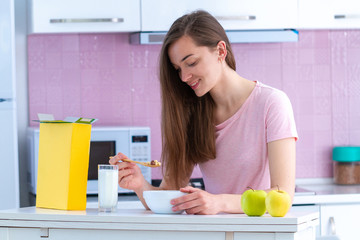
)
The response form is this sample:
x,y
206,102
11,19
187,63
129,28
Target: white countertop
x,y
309,191
131,215
325,191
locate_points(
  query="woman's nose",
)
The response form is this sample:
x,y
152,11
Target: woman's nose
x,y
185,76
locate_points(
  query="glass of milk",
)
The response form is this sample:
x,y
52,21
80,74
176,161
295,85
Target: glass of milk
x,y
107,187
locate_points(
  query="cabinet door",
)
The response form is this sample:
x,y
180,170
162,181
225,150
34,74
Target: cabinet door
x,y
308,208
342,220
20,233
9,186
6,49
93,234
9,176
67,16
329,14
158,15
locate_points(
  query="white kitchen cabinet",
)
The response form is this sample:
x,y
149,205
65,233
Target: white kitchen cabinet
x,y
9,170
341,220
158,15
9,175
308,208
20,233
96,234
7,27
335,220
329,14
67,16
339,207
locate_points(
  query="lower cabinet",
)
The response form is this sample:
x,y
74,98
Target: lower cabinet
x,y
20,233
307,234
88,234
337,221
95,234
341,220
309,208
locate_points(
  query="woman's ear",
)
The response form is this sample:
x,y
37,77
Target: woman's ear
x,y
221,49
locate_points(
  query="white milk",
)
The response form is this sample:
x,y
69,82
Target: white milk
x,y
108,189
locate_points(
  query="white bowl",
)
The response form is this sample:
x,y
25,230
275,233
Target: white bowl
x,y
159,200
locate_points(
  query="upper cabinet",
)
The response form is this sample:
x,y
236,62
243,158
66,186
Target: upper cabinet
x,y
68,16
158,15
329,14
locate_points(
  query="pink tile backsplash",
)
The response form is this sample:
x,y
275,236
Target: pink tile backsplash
x,y
103,76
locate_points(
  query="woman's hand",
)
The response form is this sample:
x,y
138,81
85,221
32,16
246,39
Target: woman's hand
x,y
130,176
197,201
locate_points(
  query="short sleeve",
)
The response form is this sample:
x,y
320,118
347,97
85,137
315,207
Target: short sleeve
x,y
280,122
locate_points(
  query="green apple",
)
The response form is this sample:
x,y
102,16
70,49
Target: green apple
x,y
278,203
253,202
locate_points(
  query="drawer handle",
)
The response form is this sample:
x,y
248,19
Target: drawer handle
x,y
86,20
236,18
346,16
332,225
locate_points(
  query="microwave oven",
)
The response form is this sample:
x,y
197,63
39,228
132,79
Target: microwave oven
x,y
134,142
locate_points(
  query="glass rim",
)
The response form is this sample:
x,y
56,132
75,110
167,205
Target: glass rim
x,y
107,167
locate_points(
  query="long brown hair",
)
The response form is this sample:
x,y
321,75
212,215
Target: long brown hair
x,y
188,131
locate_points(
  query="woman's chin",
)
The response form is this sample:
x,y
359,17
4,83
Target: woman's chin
x,y
199,93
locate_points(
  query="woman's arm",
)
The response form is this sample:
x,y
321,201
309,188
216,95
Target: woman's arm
x,y
281,154
282,161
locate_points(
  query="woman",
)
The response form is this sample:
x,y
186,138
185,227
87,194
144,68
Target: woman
x,y
241,133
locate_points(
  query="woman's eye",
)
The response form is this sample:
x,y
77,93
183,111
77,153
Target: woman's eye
x,y
192,64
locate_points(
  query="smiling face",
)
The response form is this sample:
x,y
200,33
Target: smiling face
x,y
198,66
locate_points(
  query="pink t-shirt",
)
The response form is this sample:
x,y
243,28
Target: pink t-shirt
x,y
241,142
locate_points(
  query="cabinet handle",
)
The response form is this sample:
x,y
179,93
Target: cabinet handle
x,y
86,20
332,225
236,18
5,100
346,16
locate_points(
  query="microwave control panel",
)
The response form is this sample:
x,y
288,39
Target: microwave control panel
x,y
140,150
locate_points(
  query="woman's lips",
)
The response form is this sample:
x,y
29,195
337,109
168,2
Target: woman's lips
x,y
194,85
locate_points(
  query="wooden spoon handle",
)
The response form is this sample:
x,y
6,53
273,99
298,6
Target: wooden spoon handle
x,y
141,163
146,164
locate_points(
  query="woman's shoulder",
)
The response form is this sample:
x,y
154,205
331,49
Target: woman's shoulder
x,y
269,97
269,93
266,89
